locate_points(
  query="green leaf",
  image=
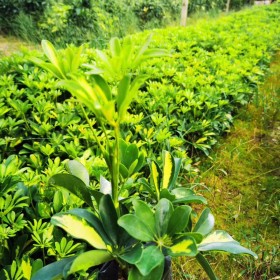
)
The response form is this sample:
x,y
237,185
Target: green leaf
x,y
129,154
79,228
179,219
164,210
109,217
89,259
47,66
123,171
151,258
168,170
105,186
206,266
136,227
155,274
36,265
77,169
50,52
133,89
144,212
205,222
146,186
220,240
123,89
92,220
166,194
155,177
53,270
184,246
57,201
26,267
44,209
133,254
102,84
177,166
184,195
115,46
74,185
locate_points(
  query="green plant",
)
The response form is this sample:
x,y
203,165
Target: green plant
x,y
128,234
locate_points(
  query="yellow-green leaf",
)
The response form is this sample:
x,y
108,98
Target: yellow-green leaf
x,y
26,268
167,170
79,228
89,259
155,176
185,246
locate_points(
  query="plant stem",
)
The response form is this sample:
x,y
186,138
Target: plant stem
x,y
93,132
116,168
206,266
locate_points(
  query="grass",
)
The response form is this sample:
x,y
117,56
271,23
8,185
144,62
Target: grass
x,y
243,191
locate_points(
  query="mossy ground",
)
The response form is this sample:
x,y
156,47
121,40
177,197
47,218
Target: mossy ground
x,y
243,189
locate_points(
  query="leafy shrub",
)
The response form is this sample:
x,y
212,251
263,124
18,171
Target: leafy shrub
x,y
10,9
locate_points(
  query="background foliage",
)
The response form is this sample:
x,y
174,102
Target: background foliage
x,y
95,21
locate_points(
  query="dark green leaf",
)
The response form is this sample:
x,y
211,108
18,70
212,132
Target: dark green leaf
x,y
166,194
74,185
151,258
205,222
133,254
179,219
177,165
144,212
164,210
136,227
53,270
109,217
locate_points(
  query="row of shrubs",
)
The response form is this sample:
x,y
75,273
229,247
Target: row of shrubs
x,y
78,21
213,69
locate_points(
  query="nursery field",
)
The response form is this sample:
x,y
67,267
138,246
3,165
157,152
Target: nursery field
x,y
128,156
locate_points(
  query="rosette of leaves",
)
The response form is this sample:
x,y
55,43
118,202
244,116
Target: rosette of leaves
x,y
169,231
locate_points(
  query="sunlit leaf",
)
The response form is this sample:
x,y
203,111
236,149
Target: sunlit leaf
x,y
220,240
168,170
89,259
78,228
77,169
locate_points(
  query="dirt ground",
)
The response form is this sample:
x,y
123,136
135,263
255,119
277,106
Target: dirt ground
x,y
9,45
